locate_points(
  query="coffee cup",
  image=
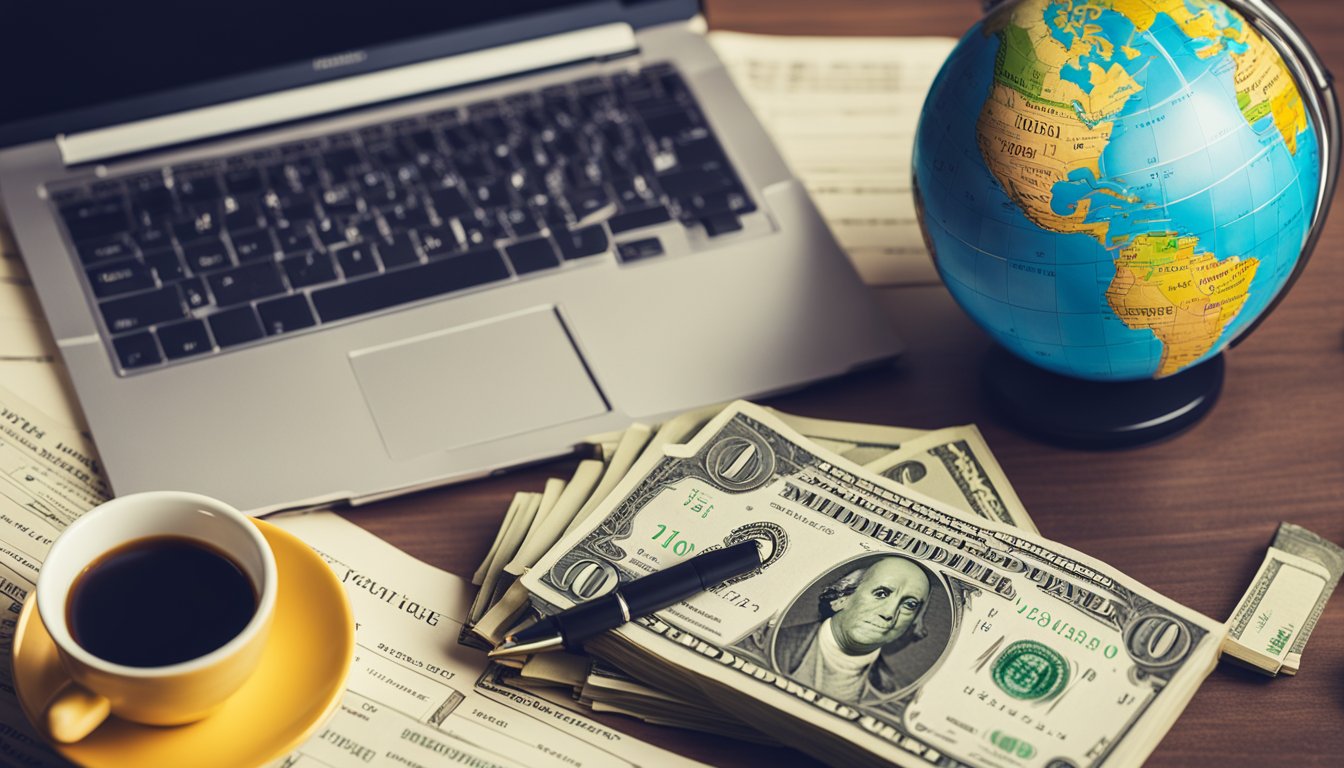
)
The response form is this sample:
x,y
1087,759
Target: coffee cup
x,y
159,605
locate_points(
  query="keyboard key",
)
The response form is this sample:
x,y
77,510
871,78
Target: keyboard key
x,y
137,350
297,174
703,152
207,255
193,292
152,239
638,250
244,181
362,229
521,221
491,193
242,214
150,197
378,188
293,210
166,265
532,255
117,277
730,201
340,159
688,183
473,165
309,268
405,214
438,242
253,246
93,219
640,217
287,313
672,125
235,326
481,230
356,260
142,310
294,239
586,201
449,202
195,189
246,283
199,225
398,252
633,192
184,339
340,201
721,224
94,251
390,289
330,234
578,243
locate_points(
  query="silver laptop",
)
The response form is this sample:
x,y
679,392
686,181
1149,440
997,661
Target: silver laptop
x,y
304,252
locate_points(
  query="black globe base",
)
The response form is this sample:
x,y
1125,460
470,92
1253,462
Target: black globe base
x,y
1077,413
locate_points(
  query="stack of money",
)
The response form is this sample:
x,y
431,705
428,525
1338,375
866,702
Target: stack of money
x,y
1272,622
907,609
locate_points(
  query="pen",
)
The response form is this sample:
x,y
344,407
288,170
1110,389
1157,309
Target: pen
x,y
569,628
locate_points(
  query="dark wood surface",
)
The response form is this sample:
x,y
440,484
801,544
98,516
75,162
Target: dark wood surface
x,y
1189,517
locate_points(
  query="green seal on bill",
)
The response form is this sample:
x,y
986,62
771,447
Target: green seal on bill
x,y
1030,671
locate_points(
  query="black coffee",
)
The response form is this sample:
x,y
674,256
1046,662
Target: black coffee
x,y
158,601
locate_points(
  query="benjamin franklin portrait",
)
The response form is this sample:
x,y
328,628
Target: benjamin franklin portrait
x,y
865,630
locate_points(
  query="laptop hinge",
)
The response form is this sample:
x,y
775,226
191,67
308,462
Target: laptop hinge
x,y
602,41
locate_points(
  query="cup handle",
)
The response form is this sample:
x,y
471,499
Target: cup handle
x,y
74,712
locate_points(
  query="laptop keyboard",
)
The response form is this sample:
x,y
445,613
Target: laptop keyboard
x,y
199,259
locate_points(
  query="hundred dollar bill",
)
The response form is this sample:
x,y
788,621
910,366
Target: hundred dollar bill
x,y
955,466
1274,611
1297,540
884,626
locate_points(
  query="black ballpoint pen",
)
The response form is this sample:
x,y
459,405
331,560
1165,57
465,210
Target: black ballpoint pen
x,y
569,628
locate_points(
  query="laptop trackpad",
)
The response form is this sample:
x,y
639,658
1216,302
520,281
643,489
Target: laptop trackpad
x,y
474,383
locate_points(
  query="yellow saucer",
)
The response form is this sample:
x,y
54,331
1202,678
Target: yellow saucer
x,y
297,685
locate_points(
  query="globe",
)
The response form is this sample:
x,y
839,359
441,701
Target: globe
x,y
1117,189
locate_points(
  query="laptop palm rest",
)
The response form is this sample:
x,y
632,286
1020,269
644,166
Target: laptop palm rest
x,y
475,383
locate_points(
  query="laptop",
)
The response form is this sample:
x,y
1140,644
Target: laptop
x,y
307,253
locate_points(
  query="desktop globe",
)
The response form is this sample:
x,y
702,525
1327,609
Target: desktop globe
x,y
1116,191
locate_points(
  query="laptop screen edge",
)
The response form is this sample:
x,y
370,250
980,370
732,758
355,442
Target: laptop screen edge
x,y
345,64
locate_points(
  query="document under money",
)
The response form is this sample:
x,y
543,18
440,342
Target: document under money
x,y
49,476
29,365
843,112
885,626
417,697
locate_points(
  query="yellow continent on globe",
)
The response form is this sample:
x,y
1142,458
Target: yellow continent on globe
x,y
1036,127
1186,298
1264,86
1261,80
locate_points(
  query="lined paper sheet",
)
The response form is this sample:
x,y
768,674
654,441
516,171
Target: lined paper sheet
x,y
843,111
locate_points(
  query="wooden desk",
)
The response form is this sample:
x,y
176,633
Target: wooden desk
x,y
1189,517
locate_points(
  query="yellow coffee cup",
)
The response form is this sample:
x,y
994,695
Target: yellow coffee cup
x,y
93,565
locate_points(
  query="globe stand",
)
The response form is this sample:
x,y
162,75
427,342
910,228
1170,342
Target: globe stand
x,y
1078,413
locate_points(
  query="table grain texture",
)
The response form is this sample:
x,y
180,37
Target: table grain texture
x,y
1190,517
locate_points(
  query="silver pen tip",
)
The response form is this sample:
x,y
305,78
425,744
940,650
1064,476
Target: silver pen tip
x,y
509,648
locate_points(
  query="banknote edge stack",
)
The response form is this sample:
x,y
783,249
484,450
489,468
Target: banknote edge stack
x,y
1272,622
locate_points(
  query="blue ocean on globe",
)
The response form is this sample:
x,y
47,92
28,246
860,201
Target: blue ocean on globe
x,y
1115,189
